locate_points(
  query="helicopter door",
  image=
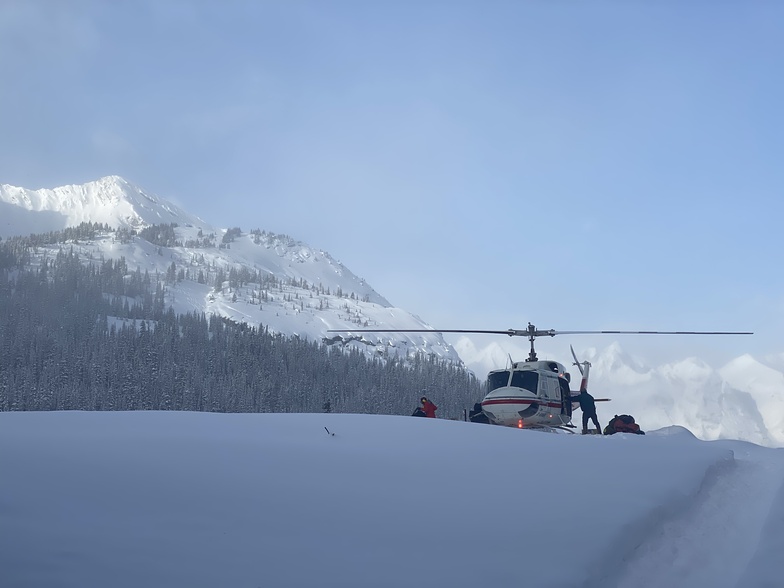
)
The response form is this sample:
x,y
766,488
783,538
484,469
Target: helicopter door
x,y
566,397
551,390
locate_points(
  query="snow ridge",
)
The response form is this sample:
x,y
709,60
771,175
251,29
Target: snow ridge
x,y
110,200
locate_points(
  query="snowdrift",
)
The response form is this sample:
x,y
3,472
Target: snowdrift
x,y
196,499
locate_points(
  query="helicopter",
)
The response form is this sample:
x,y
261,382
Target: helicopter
x,y
535,394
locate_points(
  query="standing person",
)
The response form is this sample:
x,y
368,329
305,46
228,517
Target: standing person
x,y
428,407
588,406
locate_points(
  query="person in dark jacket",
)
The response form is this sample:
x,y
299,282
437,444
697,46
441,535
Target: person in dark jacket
x,y
475,415
428,407
588,406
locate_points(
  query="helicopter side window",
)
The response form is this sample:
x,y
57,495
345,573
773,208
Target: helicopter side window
x,y
551,388
528,380
497,380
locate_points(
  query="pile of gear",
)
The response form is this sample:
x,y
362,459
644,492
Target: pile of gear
x,y
623,423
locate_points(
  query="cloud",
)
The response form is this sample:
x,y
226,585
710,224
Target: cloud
x,y
108,142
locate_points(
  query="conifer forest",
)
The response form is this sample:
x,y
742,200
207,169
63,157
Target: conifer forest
x,y
98,336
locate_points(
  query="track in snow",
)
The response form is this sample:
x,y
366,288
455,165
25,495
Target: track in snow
x,y
712,543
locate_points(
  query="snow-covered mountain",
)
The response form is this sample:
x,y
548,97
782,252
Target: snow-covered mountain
x,y
304,291
299,290
110,200
742,400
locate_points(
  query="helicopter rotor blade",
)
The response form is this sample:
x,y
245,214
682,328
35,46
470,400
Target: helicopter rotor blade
x,y
532,333
510,332
577,361
652,333
538,333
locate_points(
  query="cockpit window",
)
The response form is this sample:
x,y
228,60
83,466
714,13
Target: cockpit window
x,y
526,379
497,380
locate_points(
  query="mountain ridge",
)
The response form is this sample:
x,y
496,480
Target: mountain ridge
x,y
109,200
302,291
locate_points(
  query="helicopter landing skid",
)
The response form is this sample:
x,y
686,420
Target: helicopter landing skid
x,y
553,428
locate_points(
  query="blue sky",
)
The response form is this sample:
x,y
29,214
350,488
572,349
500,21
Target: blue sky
x,y
578,165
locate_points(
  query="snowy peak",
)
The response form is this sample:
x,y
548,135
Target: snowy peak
x,y
110,200
484,359
745,373
688,370
251,276
614,360
689,393
763,384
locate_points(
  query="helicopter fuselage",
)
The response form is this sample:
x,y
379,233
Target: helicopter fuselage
x,y
529,394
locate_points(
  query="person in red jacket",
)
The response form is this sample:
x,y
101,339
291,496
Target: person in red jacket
x,y
428,407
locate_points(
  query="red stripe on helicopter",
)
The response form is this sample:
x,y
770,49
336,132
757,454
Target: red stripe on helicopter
x,y
521,401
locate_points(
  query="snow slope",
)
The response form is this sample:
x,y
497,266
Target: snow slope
x,y
334,298
203,500
344,300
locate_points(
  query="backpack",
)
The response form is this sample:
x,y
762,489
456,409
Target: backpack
x,y
623,423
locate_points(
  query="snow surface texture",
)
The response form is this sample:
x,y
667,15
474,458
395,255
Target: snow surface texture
x,y
203,500
741,400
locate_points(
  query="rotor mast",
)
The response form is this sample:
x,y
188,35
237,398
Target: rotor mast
x,y
532,334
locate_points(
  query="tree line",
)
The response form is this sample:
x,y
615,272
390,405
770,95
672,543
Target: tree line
x,y
99,336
